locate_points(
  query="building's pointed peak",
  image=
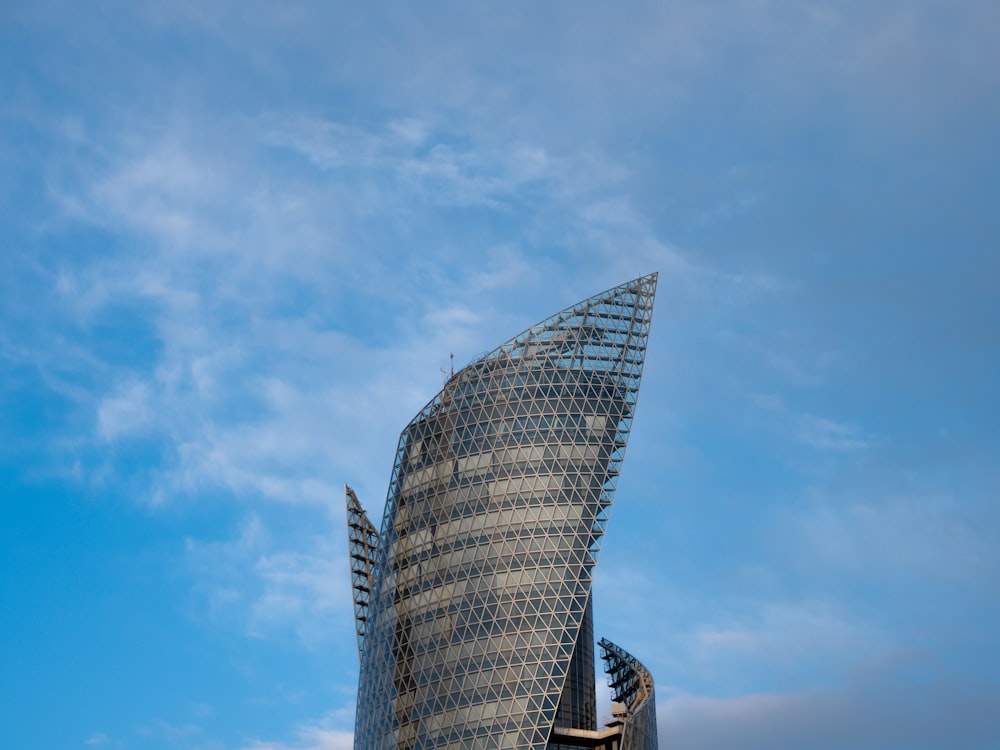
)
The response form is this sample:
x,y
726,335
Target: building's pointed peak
x,y
606,332
615,310
353,504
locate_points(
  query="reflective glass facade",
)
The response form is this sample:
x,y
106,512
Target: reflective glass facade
x,y
473,601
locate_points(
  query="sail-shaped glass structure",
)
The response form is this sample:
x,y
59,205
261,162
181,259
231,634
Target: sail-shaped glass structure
x,y
473,601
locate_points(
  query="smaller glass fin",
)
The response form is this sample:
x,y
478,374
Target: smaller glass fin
x,y
362,540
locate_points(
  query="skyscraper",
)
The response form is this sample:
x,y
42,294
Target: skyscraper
x,y
473,601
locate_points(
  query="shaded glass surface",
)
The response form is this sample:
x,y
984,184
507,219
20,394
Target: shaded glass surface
x,y
577,707
496,510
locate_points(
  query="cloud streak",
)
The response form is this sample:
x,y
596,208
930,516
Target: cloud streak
x,y
882,714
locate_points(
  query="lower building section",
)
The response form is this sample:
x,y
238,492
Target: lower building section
x,y
633,726
609,738
633,722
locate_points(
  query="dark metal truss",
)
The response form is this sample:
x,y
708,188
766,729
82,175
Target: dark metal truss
x,y
362,539
630,682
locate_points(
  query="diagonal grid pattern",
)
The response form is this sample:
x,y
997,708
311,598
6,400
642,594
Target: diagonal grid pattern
x,y
496,510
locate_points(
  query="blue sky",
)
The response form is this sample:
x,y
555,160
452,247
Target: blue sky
x,y
239,241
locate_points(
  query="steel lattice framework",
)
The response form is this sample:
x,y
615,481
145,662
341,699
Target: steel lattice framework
x,y
497,506
362,540
631,684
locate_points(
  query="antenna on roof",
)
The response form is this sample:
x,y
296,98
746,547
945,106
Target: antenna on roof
x,y
453,364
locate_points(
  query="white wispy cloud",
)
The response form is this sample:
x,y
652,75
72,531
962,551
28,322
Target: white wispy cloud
x,y
824,434
265,584
310,738
829,434
789,635
126,411
882,711
326,734
258,297
929,537
177,735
